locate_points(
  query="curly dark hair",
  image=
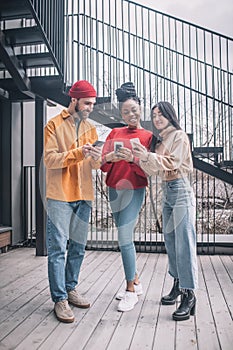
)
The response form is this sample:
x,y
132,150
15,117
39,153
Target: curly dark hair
x,y
127,92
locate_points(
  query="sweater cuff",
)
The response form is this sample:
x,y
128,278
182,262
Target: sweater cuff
x,y
104,160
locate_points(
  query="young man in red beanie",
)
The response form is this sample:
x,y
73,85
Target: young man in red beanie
x,y
69,159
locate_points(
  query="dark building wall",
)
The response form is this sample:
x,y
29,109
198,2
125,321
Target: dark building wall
x,y
17,149
16,173
5,162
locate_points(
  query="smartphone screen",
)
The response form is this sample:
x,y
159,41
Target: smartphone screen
x,y
98,143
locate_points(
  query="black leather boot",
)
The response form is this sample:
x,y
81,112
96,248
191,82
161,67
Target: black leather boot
x,y
187,306
170,299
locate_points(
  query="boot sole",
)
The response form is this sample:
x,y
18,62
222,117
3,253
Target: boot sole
x,y
85,306
181,318
168,302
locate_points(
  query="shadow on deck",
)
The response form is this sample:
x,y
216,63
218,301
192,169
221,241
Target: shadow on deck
x,y
27,320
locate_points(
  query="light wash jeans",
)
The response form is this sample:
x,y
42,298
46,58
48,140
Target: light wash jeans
x,y
65,220
179,231
126,205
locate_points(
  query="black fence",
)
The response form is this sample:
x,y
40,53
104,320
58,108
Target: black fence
x,y
110,42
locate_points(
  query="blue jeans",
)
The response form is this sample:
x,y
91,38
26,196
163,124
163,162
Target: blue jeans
x,y
179,231
65,220
126,205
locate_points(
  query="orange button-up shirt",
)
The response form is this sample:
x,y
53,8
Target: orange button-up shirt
x,y
68,172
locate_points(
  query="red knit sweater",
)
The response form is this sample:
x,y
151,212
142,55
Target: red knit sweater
x,y
122,174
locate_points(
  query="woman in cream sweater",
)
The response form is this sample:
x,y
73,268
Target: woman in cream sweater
x,y
171,159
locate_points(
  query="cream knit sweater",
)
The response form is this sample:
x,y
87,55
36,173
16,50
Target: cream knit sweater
x,y
173,158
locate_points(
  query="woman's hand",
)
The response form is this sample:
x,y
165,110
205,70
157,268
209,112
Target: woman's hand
x,y
112,157
125,154
140,152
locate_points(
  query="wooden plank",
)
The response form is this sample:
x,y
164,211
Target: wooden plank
x,y
165,324
224,281
228,263
21,269
14,322
124,332
25,297
13,328
5,239
16,255
148,319
221,316
206,333
103,332
106,313
12,291
86,320
27,320
45,328
24,281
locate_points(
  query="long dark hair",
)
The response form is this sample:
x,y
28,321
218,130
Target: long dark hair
x,y
168,111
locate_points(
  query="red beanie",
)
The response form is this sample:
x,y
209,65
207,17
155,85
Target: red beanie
x,y
82,89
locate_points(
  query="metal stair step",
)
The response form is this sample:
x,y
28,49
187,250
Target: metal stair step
x,y
207,151
14,9
34,60
227,164
24,36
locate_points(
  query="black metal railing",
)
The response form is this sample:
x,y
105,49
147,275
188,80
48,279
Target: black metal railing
x,y
113,41
109,42
50,14
214,217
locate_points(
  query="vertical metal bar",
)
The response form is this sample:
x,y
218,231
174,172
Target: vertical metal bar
x,y
221,93
72,44
109,38
163,60
190,79
143,63
103,45
229,110
129,42
149,59
177,68
184,74
123,38
97,48
40,178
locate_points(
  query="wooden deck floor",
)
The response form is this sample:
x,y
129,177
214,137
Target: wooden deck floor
x,y
27,320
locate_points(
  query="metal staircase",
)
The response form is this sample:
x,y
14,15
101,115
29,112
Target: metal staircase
x,y
32,59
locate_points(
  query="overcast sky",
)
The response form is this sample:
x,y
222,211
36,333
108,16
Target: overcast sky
x,y
216,15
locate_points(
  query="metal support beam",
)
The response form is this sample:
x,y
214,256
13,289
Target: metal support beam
x,y
4,94
40,116
212,170
13,65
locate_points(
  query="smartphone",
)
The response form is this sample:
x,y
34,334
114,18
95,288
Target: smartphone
x,y
134,143
98,143
118,145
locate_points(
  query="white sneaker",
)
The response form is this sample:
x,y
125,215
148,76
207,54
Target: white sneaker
x,y
138,290
128,302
